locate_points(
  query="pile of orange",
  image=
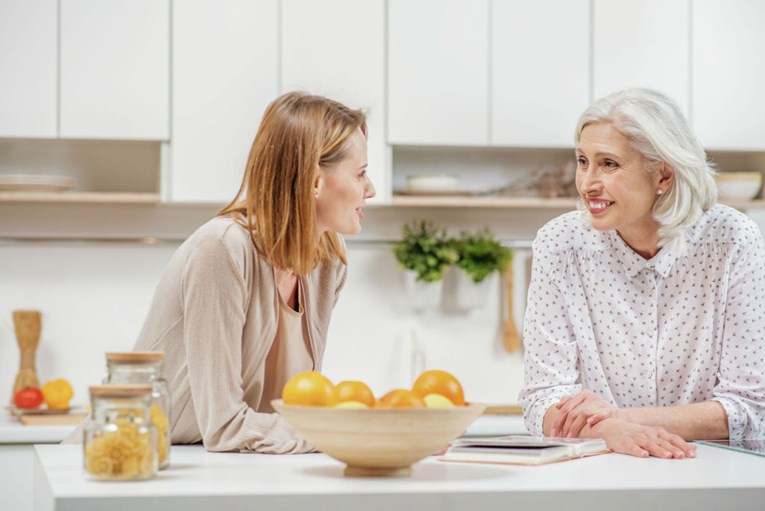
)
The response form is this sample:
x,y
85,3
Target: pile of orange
x,y
431,389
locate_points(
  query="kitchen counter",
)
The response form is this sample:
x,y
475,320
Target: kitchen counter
x,y
13,432
198,480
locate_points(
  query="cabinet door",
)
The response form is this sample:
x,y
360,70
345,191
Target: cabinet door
x,y
641,44
224,75
115,58
28,68
729,74
438,72
540,80
336,48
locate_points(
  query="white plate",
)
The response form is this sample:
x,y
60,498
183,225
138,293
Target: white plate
x,y
30,183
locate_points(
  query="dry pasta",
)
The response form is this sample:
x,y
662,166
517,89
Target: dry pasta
x,y
123,450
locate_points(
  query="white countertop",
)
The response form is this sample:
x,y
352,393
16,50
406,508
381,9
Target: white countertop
x,y
13,432
198,480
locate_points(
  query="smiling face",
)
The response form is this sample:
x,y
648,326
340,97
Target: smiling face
x,y
617,187
342,190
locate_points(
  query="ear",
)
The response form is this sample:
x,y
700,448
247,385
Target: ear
x,y
318,182
666,176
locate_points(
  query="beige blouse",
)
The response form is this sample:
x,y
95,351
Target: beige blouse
x,y
289,355
216,315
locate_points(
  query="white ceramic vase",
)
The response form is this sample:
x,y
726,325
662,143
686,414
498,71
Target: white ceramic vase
x,y
422,295
470,294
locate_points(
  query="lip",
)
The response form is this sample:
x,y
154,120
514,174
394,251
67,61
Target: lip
x,y
598,211
360,212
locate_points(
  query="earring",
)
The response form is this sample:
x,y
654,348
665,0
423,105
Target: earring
x,y
659,191
316,195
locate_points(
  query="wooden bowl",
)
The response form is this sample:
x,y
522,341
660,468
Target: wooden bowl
x,y
379,441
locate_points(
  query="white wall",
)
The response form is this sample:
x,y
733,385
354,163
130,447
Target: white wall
x,y
94,297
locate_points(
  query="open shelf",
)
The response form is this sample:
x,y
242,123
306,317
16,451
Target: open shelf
x,y
483,202
80,197
447,201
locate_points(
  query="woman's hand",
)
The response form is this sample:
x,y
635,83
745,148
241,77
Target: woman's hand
x,y
642,441
583,409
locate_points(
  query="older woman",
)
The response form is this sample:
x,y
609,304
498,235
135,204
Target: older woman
x,y
645,323
245,302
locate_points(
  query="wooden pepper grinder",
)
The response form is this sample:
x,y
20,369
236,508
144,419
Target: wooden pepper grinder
x,y
511,339
27,325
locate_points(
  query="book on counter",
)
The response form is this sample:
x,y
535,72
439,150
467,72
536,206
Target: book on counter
x,y
523,450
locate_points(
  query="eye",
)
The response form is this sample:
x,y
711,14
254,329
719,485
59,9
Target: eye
x,y
363,174
581,161
610,165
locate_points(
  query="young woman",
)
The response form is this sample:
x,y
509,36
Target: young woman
x,y
646,313
245,302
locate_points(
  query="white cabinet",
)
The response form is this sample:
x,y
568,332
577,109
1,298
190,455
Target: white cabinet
x,y
540,79
28,68
115,69
729,74
336,48
641,44
438,72
225,72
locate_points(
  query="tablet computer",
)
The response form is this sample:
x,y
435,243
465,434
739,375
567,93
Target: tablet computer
x,y
748,445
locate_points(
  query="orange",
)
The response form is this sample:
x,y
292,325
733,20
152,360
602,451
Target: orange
x,y
309,388
439,382
354,391
401,398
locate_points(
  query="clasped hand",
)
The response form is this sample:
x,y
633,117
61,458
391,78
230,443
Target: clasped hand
x,y
604,420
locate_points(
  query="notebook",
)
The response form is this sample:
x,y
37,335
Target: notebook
x,y
522,450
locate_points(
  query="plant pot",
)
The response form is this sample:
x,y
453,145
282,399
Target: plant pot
x,y
470,294
422,295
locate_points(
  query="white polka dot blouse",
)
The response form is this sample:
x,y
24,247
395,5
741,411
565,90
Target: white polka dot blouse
x,y
643,333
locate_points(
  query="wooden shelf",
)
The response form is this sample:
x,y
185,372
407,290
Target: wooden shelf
x,y
483,202
446,201
79,197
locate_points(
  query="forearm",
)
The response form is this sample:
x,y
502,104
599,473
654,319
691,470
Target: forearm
x,y
697,421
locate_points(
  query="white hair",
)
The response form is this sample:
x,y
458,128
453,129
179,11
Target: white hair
x,y
657,129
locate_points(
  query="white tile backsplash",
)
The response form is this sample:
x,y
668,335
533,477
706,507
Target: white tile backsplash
x,y
94,297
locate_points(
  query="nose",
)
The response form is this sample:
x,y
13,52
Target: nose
x,y
369,189
589,180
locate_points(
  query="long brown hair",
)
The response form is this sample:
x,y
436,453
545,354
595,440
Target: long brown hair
x,y
298,134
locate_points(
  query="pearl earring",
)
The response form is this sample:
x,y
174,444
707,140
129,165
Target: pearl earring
x,y
659,191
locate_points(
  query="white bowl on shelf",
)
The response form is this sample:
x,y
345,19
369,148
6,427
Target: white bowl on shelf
x,y
738,185
430,183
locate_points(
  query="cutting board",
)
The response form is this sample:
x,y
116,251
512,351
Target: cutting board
x,y
52,420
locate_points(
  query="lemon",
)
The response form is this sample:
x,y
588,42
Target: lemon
x,y
437,401
354,405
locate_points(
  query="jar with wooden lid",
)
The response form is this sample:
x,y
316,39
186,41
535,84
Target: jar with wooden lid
x,y
120,440
146,367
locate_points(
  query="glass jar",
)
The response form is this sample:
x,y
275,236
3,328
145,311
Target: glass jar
x,y
146,367
120,440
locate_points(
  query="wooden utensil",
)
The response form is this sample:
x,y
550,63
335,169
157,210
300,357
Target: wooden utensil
x,y
27,325
511,340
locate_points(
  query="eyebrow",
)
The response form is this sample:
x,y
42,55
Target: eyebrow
x,y
600,155
363,166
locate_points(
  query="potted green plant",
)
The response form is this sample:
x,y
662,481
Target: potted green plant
x,y
425,252
480,257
